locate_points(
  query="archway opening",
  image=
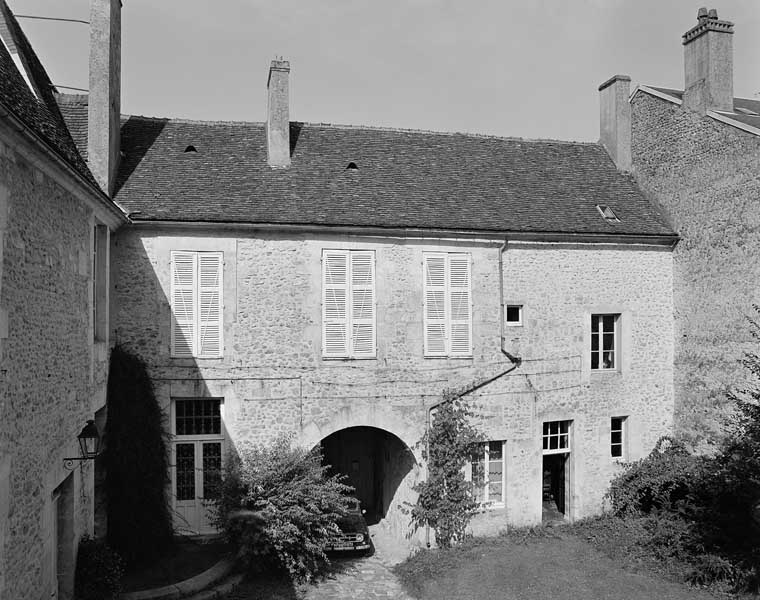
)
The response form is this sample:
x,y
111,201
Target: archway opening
x,y
376,463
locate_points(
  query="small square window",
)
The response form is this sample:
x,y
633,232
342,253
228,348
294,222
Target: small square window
x,y
605,342
514,315
617,437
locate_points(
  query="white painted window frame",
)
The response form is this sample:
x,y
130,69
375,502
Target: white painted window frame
x,y
521,308
559,435
486,502
623,444
616,344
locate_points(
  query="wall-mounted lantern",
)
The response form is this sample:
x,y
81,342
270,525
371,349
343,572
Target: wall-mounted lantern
x,y
89,445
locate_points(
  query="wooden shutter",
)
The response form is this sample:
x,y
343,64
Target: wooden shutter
x,y
434,309
183,303
460,307
335,303
362,317
210,324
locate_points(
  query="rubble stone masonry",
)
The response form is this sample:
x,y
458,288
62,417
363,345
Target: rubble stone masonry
x,y
704,174
52,378
274,380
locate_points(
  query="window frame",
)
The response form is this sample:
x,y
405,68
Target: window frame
x,y
448,321
350,353
559,435
485,489
600,351
521,311
195,352
623,443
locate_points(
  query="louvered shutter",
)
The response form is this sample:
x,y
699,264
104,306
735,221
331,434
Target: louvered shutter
x,y
460,308
210,266
183,269
362,304
335,303
434,309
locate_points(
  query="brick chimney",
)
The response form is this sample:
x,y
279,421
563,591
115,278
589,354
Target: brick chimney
x,y
278,115
615,120
104,102
709,64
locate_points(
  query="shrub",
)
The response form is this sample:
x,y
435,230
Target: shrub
x,y
445,500
137,464
98,572
279,506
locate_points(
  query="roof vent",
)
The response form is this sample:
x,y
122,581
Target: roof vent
x,y
191,148
352,166
607,213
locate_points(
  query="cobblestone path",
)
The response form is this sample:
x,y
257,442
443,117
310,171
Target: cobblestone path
x,y
367,578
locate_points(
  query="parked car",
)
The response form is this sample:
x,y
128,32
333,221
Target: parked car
x,y
354,534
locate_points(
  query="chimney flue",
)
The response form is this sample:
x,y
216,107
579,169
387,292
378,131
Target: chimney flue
x,y
104,102
278,115
709,64
615,120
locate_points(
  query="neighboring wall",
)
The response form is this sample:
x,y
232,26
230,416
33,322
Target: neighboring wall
x,y
273,379
705,175
52,377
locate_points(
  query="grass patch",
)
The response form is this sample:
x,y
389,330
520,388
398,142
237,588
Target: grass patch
x,y
563,562
186,559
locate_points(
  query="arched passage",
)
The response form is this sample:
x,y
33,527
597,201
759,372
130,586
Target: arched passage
x,y
380,467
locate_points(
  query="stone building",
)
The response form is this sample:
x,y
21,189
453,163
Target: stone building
x,y
329,282
696,152
55,224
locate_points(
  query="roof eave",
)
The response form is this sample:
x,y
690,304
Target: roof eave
x,y
667,240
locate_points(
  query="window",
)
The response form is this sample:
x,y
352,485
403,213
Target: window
x,y
556,437
196,296
100,283
604,342
488,473
514,315
447,304
197,449
617,437
348,304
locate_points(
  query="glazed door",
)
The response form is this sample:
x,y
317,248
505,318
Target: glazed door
x,y
197,477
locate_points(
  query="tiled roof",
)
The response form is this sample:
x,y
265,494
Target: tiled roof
x,y
742,107
74,110
403,179
40,114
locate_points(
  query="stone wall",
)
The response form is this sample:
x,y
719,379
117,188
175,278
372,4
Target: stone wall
x,y
273,379
52,377
704,174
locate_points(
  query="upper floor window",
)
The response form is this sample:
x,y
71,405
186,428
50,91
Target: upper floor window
x,y
605,342
348,304
447,304
196,298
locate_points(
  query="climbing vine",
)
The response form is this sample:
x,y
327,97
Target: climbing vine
x,y
446,502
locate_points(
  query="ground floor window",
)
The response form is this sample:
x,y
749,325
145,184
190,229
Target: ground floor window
x,y
487,473
618,437
197,448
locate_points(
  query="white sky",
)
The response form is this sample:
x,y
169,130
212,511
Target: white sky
x,y
527,68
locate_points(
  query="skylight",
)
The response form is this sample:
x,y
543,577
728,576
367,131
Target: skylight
x,y
607,213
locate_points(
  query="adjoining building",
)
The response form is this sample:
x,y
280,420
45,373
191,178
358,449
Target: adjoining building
x,y
695,151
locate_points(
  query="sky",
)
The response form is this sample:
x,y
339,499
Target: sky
x,y
527,68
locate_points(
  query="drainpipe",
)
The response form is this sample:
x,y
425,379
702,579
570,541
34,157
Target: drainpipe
x,y
515,360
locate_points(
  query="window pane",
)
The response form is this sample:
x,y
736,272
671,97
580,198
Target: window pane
x,y
494,451
562,426
616,437
513,314
185,471
608,340
616,423
617,450
553,442
594,323
546,428
212,470
609,323
594,360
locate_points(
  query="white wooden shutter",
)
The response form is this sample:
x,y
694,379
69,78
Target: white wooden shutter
x,y
434,310
460,305
335,303
183,303
210,296
362,299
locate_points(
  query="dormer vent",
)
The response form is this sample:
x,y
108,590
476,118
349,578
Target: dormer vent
x,y
191,148
352,166
607,213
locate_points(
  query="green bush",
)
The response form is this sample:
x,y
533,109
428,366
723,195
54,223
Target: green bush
x,y
446,502
98,572
137,463
279,506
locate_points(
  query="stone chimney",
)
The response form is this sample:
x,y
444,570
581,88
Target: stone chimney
x,y
709,64
104,102
278,115
615,120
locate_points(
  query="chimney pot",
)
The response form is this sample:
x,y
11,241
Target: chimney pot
x,y
713,14
702,14
615,120
278,114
